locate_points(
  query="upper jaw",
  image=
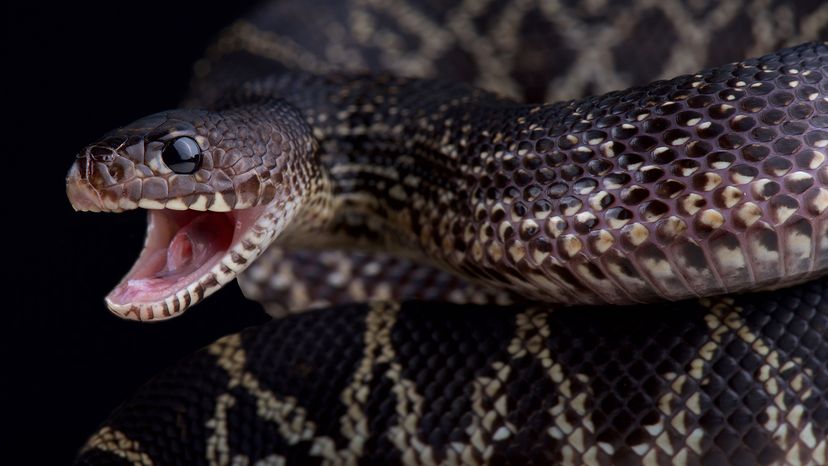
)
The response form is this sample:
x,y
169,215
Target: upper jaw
x,y
86,197
155,290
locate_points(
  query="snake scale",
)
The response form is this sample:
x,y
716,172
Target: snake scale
x,y
498,270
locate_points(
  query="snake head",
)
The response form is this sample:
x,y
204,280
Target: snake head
x,y
219,187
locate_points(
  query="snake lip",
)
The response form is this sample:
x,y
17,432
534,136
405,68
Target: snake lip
x,y
186,255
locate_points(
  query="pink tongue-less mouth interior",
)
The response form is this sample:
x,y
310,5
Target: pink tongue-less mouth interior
x,y
181,247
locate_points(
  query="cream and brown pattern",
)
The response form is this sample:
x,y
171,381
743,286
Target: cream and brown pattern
x,y
532,50
725,381
288,282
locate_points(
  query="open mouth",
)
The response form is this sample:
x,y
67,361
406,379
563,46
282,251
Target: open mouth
x,y
188,254
185,256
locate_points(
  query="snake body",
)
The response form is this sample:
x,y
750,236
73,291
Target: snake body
x,y
724,381
709,183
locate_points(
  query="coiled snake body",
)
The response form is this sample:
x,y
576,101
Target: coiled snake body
x,y
706,184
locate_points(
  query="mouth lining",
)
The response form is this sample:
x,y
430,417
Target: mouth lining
x,y
181,250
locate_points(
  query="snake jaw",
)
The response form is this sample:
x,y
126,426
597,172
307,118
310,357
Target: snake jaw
x,y
217,199
187,256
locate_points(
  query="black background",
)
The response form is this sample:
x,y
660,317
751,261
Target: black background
x,y
72,72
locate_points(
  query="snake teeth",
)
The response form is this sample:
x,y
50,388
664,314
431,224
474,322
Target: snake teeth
x,y
186,256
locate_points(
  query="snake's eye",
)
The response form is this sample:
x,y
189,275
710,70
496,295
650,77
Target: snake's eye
x,y
182,155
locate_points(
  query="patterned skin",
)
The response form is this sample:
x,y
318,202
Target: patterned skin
x,y
734,380
700,185
725,381
288,282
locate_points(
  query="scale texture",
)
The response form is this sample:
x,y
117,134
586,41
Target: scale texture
x,y
401,128
725,381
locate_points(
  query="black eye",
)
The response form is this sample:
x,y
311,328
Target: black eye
x,y
182,155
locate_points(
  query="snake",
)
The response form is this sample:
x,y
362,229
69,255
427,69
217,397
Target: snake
x,y
635,277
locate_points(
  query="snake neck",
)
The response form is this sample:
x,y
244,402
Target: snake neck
x,y
704,184
392,176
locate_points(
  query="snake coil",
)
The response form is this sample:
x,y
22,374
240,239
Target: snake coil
x,y
701,186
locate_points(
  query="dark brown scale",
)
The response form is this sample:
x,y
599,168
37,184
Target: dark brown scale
x,y
607,121
698,148
519,210
541,208
644,143
705,181
755,152
763,134
752,104
799,184
809,159
664,157
599,167
781,99
557,190
532,193
702,101
585,185
786,145
684,167
669,188
545,175
806,92
667,108
773,117
658,125
816,138
630,161
720,159
742,123
649,174
731,141
761,88
634,195
554,158
624,131
651,211
795,128
710,131
777,166
571,172
720,111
